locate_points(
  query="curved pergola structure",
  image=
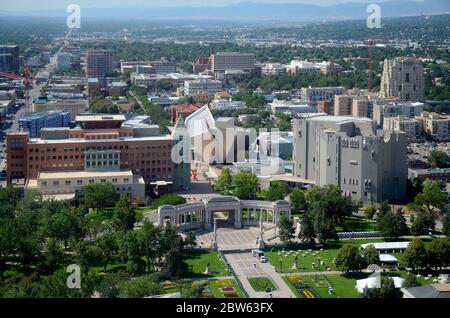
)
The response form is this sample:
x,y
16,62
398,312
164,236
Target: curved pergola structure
x,y
240,212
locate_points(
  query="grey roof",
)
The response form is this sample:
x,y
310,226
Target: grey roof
x,y
427,291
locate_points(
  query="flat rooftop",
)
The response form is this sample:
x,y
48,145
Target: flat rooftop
x,y
93,118
83,174
82,140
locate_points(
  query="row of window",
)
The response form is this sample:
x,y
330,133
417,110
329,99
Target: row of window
x,y
81,182
99,148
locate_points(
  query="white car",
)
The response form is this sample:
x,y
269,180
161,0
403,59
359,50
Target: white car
x,y
263,259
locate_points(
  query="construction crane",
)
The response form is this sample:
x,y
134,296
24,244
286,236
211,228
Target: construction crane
x,y
26,80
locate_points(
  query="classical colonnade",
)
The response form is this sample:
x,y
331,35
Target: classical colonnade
x,y
242,212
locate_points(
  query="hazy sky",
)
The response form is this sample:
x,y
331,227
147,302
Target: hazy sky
x,y
31,5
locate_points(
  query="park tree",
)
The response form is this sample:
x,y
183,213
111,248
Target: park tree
x,y
223,184
349,259
53,257
110,285
131,249
306,233
439,253
324,227
370,255
391,224
432,201
277,191
107,248
298,200
420,225
370,211
173,264
9,197
6,243
141,287
446,225
245,185
99,195
124,215
386,290
329,208
438,158
169,199
411,281
415,255
191,239
151,243
192,290
286,229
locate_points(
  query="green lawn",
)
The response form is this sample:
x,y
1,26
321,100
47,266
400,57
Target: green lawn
x,y
262,284
309,259
343,286
354,224
197,260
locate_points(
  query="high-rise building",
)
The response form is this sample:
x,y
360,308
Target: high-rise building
x,y
347,151
99,65
9,58
403,78
64,61
224,61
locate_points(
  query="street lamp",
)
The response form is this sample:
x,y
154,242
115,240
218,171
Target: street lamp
x,y
281,265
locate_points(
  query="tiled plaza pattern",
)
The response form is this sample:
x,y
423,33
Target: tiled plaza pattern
x,y
243,265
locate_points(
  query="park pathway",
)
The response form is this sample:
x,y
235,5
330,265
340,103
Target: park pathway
x,y
242,264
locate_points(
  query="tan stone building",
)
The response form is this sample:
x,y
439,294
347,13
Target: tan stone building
x,y
403,78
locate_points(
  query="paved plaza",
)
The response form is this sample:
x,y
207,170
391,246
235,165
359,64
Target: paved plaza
x,y
233,239
245,266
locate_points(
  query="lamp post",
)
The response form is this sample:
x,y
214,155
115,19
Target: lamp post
x,y
281,265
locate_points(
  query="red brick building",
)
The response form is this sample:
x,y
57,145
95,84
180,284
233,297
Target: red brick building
x,y
182,109
143,150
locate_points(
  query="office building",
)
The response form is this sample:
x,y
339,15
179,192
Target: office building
x,y
411,126
73,106
202,86
161,66
226,104
34,122
312,95
224,61
435,125
384,109
346,151
326,107
403,78
64,61
9,59
291,107
99,65
98,143
273,69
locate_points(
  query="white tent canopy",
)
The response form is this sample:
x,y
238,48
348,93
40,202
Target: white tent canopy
x,y
387,245
387,258
370,282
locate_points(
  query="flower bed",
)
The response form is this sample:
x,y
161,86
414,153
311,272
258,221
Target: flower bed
x,y
231,295
227,289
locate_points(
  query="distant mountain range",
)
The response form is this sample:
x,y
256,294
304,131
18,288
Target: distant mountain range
x,y
259,11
